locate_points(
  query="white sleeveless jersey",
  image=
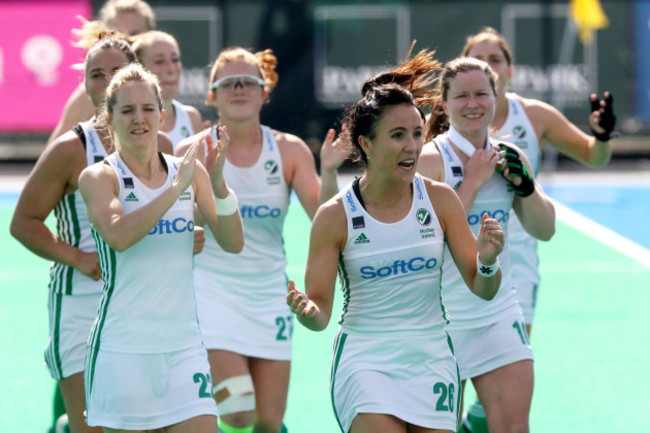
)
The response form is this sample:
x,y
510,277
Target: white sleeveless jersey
x,y
518,130
72,224
390,273
494,198
148,304
263,197
182,127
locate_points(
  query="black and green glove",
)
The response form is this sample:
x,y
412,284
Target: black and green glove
x,y
517,168
607,118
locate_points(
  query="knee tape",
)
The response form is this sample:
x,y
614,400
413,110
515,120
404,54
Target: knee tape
x,y
235,394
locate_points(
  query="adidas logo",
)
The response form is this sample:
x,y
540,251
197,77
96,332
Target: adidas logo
x,y
362,239
131,197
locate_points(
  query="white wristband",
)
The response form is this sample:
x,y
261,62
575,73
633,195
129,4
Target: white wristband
x,y
227,206
487,270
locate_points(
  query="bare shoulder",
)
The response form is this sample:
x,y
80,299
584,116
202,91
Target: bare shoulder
x,y
446,203
292,148
288,142
440,193
165,144
192,111
330,219
537,110
430,162
96,175
195,116
65,152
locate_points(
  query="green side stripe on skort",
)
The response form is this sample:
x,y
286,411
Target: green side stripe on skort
x,y
107,261
345,287
338,350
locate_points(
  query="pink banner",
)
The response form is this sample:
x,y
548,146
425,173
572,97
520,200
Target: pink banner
x,y
36,56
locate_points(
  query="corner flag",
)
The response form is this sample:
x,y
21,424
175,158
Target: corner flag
x,y
588,16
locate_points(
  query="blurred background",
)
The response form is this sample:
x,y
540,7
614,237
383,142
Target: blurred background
x,y
327,48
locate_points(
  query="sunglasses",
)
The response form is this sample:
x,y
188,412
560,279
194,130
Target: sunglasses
x,y
248,82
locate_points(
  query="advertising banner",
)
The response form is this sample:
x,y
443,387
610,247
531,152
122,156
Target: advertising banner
x,y
36,58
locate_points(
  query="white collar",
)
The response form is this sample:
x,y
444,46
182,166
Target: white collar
x,y
462,143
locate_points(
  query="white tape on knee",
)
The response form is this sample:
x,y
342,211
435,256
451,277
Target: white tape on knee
x,y
230,395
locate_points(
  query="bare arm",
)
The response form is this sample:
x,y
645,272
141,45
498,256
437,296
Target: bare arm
x,y
430,163
332,154
195,118
78,108
99,188
462,243
551,125
536,211
327,239
300,171
228,230
53,176
165,144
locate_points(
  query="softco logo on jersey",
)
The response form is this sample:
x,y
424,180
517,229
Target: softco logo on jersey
x,y
348,197
418,188
271,168
261,211
178,225
499,214
398,267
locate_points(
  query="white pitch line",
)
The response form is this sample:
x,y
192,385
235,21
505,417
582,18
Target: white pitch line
x,y
605,236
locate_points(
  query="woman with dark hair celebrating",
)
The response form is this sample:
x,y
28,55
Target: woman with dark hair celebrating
x,y
393,368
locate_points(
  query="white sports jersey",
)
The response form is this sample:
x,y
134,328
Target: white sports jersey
x,y
72,224
249,289
182,127
390,273
494,198
148,305
263,197
518,130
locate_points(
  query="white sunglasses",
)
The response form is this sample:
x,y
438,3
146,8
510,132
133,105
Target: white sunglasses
x,y
248,82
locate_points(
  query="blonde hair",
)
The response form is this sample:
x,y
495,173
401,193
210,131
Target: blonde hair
x,y
439,121
488,34
144,40
111,8
265,61
132,73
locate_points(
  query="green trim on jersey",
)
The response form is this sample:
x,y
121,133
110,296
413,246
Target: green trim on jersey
x,y
107,263
445,313
69,231
338,350
345,287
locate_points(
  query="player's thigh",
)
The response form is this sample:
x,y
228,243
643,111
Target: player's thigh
x,y
271,381
506,394
225,364
198,424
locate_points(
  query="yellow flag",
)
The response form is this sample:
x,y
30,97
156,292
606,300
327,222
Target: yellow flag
x,y
588,16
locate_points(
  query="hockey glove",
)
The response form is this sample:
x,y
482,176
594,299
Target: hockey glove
x,y
607,118
517,168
